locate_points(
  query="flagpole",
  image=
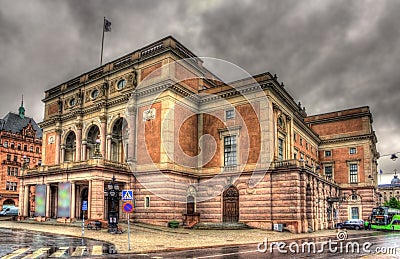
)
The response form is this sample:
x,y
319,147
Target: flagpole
x,y
102,42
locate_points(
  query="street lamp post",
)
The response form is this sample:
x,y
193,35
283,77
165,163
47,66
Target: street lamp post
x,y
112,194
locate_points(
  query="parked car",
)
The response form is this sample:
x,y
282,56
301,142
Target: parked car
x,y
352,223
9,211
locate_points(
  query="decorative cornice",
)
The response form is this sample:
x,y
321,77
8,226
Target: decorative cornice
x,y
345,139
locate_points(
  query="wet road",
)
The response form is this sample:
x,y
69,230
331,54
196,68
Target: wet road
x,y
29,244
370,245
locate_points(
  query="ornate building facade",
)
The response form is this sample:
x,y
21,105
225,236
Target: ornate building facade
x,y
20,149
388,191
192,147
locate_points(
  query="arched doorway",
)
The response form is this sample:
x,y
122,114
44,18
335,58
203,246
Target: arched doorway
x,y
190,205
9,202
70,147
92,135
84,197
231,205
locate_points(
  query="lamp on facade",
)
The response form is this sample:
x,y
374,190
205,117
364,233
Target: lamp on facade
x,y
394,157
97,154
112,194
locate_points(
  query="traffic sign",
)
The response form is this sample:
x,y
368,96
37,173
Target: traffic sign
x,y
128,207
84,205
127,195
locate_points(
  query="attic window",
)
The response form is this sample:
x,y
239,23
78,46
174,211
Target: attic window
x,y
72,102
94,93
121,84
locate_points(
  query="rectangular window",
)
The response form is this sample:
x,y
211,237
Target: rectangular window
x,y
328,153
8,171
353,150
280,149
15,158
229,114
294,137
230,150
301,141
295,156
147,202
11,186
328,171
353,173
8,157
354,213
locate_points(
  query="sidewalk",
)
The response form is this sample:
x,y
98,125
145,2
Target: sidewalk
x,y
147,238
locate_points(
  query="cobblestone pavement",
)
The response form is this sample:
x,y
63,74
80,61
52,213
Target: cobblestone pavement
x,y
147,238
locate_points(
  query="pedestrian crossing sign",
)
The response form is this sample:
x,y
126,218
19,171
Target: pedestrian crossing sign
x,y
127,195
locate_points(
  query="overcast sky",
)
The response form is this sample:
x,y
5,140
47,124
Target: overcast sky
x,y
331,55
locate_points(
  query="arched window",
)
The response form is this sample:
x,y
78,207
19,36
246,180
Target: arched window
x,y
70,147
117,150
93,134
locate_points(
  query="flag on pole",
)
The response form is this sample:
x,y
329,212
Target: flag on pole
x,y
107,25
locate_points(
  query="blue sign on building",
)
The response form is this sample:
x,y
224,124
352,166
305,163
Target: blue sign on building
x,y
84,205
127,195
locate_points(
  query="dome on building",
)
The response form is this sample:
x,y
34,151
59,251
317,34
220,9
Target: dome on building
x,y
395,180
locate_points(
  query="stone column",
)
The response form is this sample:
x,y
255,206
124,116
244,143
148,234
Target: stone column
x,y
103,133
97,199
84,155
109,143
26,201
130,150
48,199
73,198
62,154
90,200
78,141
58,143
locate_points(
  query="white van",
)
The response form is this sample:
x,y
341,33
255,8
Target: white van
x,y
9,211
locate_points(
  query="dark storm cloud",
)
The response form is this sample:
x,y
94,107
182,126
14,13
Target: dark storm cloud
x,y
331,55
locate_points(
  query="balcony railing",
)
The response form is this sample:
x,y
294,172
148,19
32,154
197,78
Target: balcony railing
x,y
78,165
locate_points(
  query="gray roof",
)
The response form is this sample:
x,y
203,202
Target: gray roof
x,y
14,123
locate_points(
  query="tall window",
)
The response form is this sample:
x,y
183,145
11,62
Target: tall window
x,y
147,202
354,213
353,173
230,150
280,149
328,171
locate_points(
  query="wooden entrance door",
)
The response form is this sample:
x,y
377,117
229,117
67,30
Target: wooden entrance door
x,y
231,205
190,205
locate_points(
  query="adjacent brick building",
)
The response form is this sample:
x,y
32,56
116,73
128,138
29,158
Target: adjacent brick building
x,y
20,149
194,148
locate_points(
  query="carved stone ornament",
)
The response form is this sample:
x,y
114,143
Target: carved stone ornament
x,y
51,140
149,114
